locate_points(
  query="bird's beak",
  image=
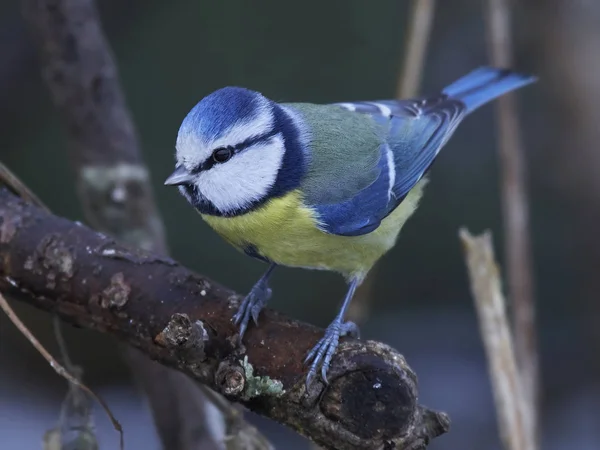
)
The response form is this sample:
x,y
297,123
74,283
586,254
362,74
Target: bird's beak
x,y
179,176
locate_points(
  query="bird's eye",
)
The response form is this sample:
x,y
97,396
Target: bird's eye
x,y
222,154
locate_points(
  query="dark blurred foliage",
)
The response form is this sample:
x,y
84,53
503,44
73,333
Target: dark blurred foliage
x,y
171,54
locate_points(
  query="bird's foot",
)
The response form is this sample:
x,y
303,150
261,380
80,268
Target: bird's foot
x,y
323,351
251,306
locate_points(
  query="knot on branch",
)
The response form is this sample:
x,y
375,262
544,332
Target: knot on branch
x,y
184,336
238,379
230,379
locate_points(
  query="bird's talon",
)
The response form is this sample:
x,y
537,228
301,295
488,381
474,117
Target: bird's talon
x,y
311,354
251,306
322,353
237,317
254,312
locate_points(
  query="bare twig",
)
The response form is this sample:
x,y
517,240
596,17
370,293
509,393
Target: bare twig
x,y
409,81
183,320
495,332
11,181
421,22
58,368
113,182
515,210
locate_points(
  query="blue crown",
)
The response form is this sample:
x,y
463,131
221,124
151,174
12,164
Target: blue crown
x,y
216,113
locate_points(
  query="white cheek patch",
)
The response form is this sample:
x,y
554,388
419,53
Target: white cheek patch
x,y
192,150
244,179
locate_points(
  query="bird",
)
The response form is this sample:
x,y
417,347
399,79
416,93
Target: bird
x,y
318,186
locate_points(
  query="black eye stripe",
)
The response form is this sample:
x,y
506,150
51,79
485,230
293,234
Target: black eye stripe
x,y
255,140
210,162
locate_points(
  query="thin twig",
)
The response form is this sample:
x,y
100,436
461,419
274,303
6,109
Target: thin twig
x,y
497,339
58,368
11,181
409,81
419,32
515,209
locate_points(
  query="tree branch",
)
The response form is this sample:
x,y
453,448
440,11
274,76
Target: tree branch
x,y
183,320
112,183
511,404
78,67
515,212
419,31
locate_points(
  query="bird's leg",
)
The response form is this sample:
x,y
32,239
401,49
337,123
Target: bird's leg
x,y
254,302
324,349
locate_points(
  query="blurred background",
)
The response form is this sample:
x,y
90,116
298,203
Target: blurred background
x,y
171,54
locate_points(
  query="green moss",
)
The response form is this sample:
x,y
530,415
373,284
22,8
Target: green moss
x,y
256,386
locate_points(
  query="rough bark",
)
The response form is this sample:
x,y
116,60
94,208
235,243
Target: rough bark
x,y
112,182
183,320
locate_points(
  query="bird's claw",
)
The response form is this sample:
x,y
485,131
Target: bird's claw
x,y
251,306
323,351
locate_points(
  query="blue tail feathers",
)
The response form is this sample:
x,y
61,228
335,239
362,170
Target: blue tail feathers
x,y
485,84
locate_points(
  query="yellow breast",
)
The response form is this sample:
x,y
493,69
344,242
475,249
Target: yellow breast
x,y
284,231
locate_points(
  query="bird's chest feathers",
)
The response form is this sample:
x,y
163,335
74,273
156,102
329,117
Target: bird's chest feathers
x,y
285,231
272,230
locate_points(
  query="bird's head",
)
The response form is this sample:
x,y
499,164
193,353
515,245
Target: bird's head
x,y
236,149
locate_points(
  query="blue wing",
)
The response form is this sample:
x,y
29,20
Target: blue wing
x,y
415,130
361,213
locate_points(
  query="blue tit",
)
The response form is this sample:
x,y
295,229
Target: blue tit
x,y
318,186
